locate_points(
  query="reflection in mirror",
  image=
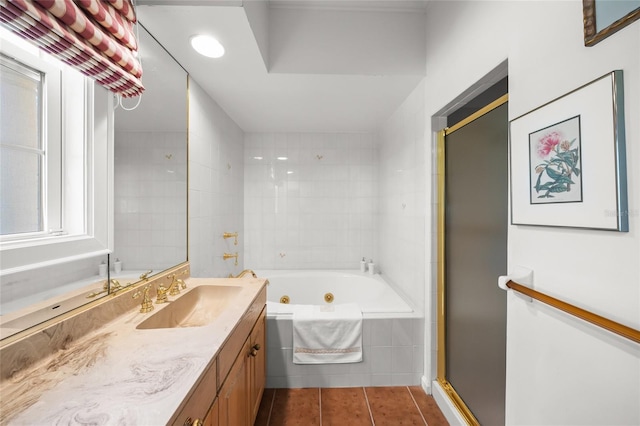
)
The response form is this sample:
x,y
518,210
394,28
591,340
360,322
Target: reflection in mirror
x,y
37,295
49,265
150,212
150,187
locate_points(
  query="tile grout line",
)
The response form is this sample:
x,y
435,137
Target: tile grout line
x,y
273,400
366,398
320,404
417,407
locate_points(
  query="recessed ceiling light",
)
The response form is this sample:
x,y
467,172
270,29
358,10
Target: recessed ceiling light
x,y
207,46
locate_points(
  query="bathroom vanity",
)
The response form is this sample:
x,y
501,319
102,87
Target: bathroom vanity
x,y
198,359
229,391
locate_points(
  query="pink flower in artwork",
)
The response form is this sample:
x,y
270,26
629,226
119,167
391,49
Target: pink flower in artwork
x,y
547,143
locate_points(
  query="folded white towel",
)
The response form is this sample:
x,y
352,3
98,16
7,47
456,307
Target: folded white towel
x,y
327,334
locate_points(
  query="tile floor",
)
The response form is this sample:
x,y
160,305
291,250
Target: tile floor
x,y
372,406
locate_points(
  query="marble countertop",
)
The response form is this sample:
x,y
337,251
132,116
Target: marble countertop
x,y
118,374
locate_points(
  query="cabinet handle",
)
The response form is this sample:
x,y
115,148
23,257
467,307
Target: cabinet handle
x,y
190,422
254,350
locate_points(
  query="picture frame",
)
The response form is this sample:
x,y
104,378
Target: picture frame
x,y
602,18
568,160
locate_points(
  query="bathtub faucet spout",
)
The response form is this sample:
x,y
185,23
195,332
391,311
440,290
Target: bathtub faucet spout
x,y
243,273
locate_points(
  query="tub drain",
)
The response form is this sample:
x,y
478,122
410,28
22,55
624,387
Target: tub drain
x,y
284,299
328,297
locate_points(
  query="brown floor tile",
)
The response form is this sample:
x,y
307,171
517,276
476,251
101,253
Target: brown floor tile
x,y
428,407
262,418
299,407
393,406
344,406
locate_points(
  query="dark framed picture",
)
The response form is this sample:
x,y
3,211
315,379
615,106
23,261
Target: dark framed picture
x,y
601,18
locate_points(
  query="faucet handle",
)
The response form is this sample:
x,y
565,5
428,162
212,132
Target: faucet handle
x,y
161,294
174,287
233,235
146,305
115,285
145,276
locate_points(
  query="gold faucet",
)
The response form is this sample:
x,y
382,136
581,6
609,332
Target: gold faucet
x,y
146,305
115,286
172,290
229,256
233,235
243,273
105,287
145,276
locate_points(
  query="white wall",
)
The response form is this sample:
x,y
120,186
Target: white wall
x,y
314,210
559,370
402,195
216,172
346,40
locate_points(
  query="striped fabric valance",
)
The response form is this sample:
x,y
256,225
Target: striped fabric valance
x,y
96,37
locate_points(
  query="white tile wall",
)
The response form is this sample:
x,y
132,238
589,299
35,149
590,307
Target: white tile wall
x,y
216,173
402,152
310,200
150,203
386,360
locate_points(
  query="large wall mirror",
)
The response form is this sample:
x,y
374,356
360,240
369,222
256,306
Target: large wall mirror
x,y
150,185
149,208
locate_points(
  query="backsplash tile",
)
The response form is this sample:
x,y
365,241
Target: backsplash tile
x,y
310,200
150,207
216,173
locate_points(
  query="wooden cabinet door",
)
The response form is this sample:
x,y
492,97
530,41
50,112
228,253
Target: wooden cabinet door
x,y
199,403
258,364
233,402
211,419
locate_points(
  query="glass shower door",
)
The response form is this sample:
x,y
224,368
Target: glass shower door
x,y
474,254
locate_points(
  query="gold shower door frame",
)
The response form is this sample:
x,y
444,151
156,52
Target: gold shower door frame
x,y
441,370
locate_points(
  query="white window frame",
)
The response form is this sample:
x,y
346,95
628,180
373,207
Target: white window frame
x,y
51,140
81,118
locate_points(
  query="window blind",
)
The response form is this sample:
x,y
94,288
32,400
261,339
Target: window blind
x,y
96,37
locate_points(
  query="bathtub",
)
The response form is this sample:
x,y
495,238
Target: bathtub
x,y
392,339
371,292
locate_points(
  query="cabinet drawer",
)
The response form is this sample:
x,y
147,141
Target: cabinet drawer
x,y
232,346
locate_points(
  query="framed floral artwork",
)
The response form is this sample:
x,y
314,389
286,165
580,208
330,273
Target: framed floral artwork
x,y
568,160
554,163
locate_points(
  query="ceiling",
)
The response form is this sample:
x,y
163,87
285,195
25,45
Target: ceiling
x,y
295,65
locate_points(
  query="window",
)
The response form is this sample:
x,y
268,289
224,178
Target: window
x,y
21,148
56,130
30,149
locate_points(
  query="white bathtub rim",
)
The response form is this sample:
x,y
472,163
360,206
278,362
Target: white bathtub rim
x,y
365,315
367,312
